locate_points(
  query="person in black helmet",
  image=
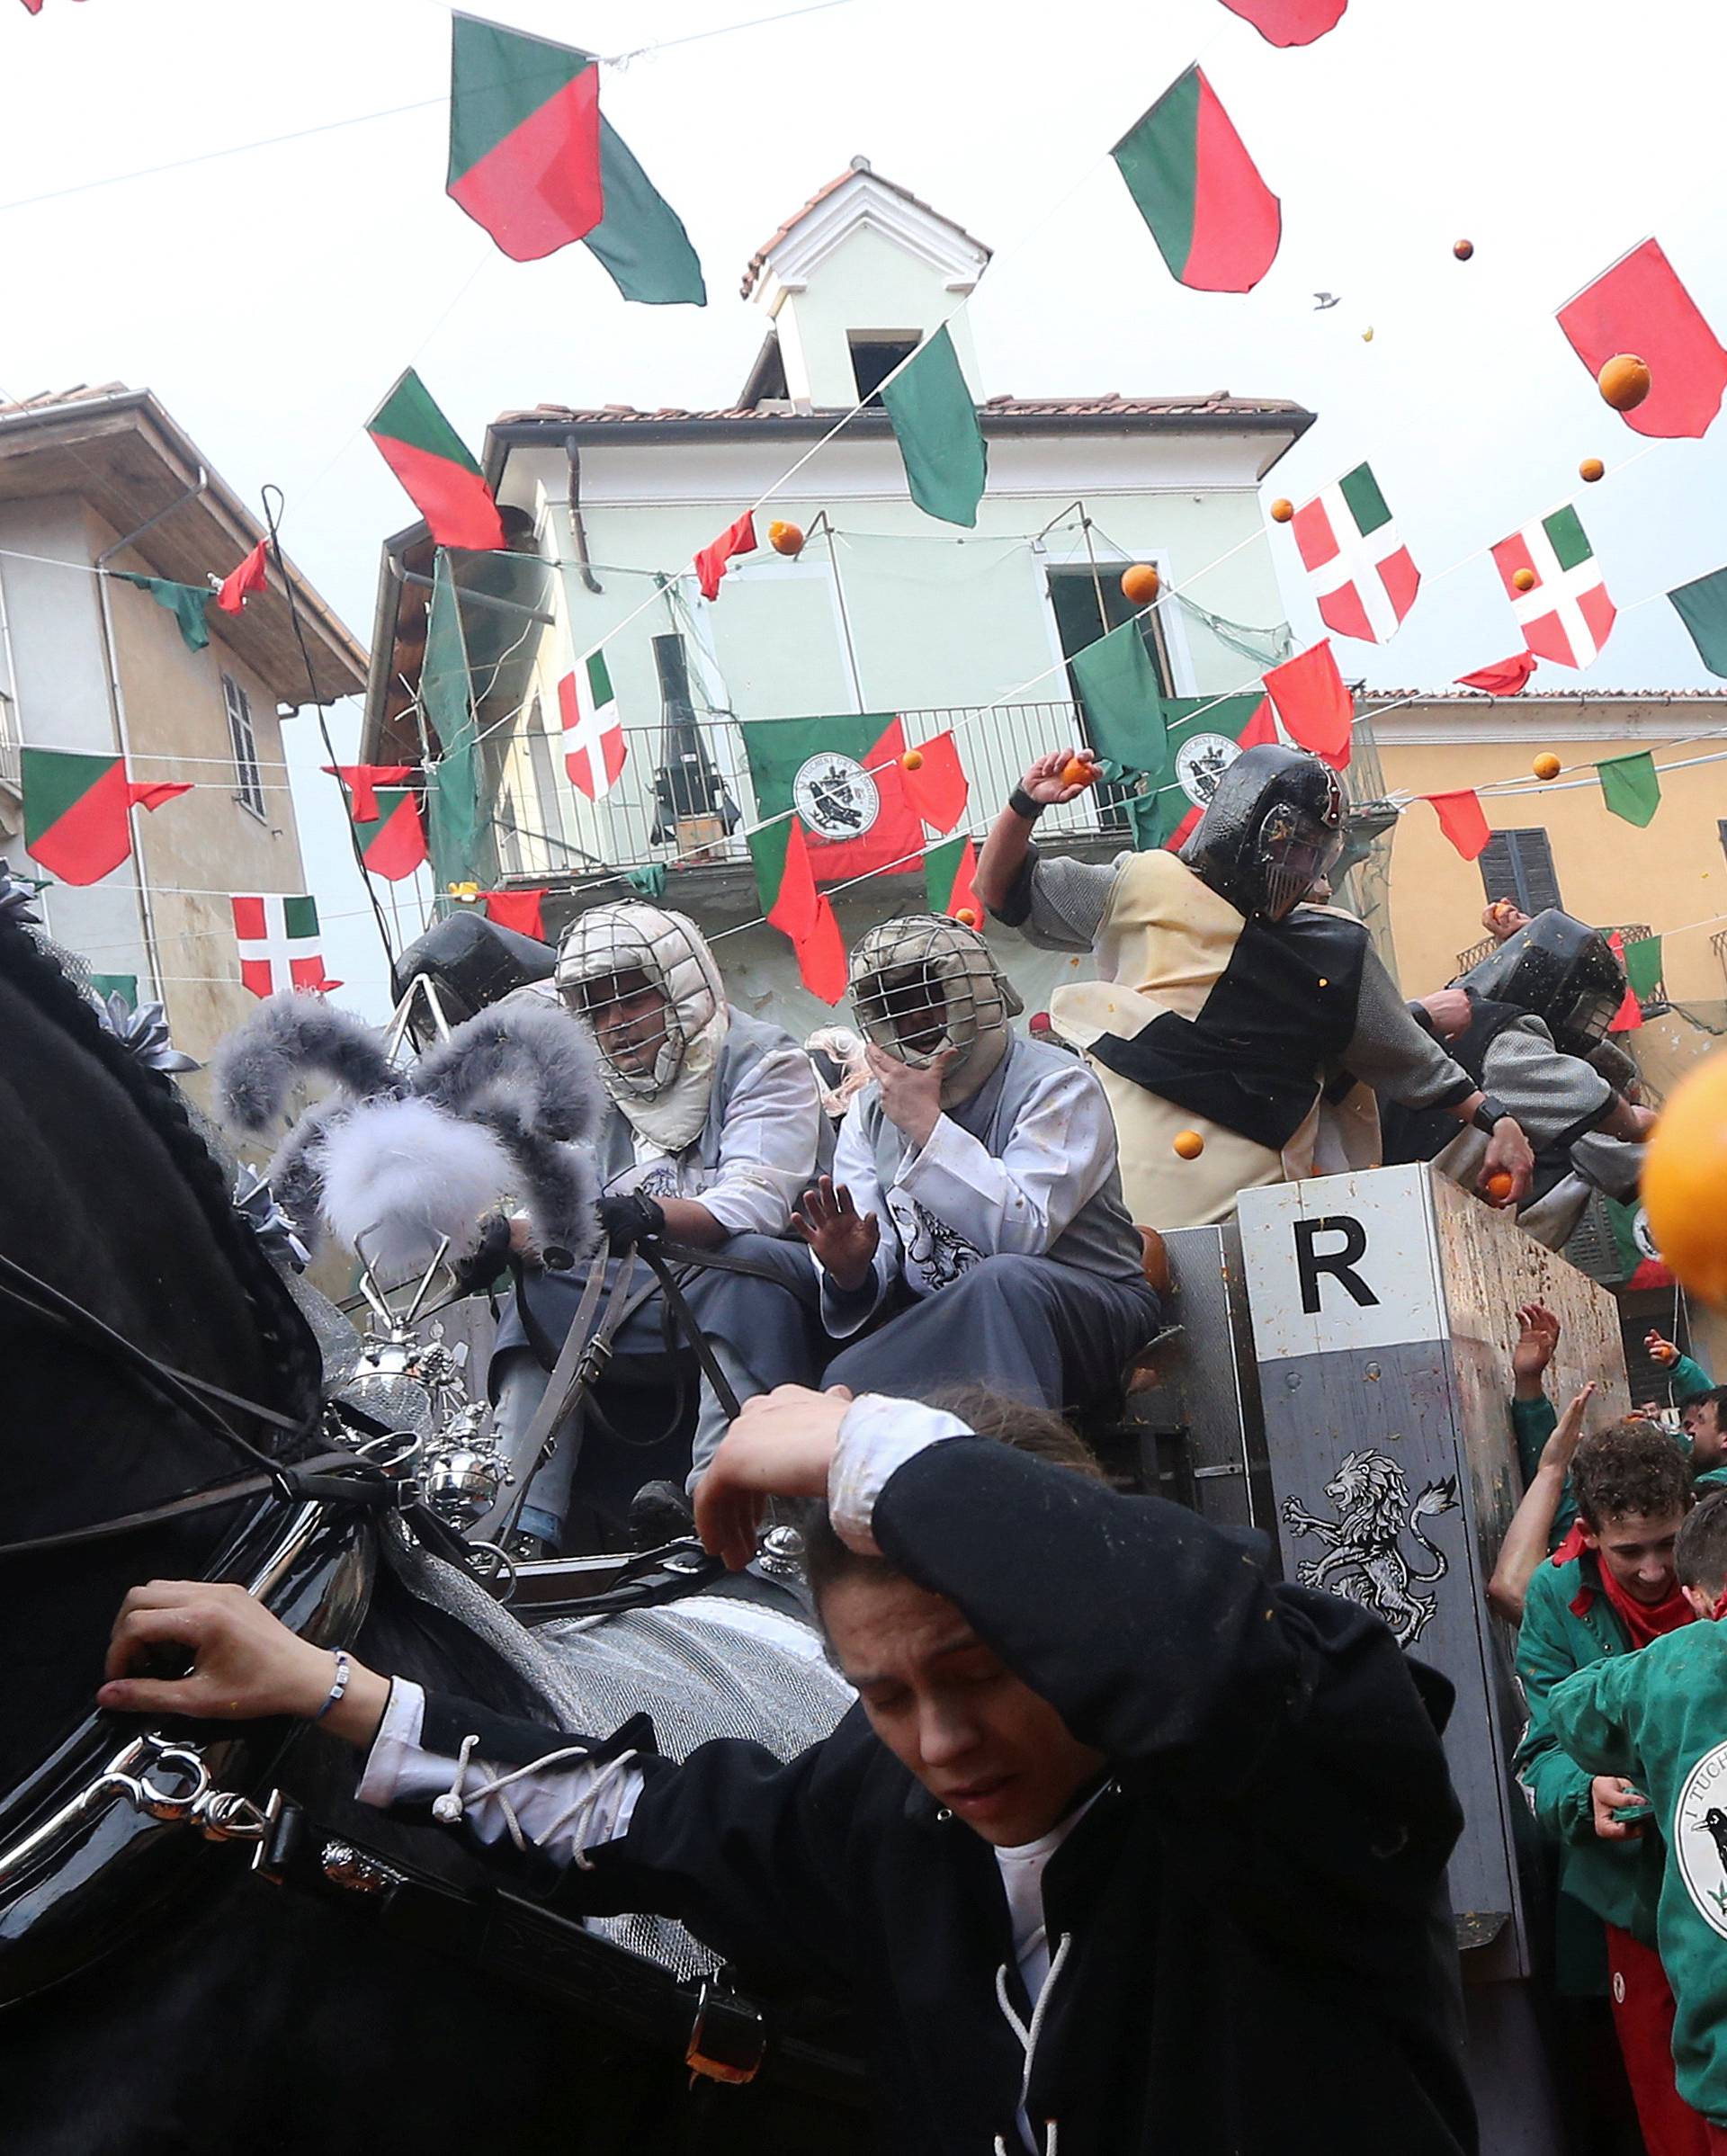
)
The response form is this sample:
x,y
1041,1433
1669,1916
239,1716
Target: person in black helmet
x,y
1224,1006
1529,1023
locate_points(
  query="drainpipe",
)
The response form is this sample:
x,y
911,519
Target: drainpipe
x,y
578,529
117,706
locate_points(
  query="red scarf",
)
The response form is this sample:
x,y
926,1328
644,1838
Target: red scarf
x,y
1646,1621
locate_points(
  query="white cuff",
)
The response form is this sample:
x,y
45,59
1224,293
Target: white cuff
x,y
877,1436
397,1770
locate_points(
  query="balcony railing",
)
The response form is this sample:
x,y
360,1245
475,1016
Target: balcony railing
x,y
693,817
1634,932
11,763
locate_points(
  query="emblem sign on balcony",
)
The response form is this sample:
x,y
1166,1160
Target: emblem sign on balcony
x,y
836,797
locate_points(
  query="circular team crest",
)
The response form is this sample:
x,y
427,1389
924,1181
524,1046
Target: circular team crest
x,y
1700,1837
835,796
1201,761
1641,1236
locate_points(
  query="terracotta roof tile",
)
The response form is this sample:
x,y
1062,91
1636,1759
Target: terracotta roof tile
x,y
759,260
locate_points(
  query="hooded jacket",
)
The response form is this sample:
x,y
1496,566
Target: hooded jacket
x,y
1258,1957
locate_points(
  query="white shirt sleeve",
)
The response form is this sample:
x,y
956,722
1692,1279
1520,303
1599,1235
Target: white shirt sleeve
x,y
564,1809
877,1436
855,1171
767,1147
1057,1158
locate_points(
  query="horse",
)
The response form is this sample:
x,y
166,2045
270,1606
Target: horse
x,y
165,1992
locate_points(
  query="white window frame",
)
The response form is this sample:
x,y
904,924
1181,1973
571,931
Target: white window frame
x,y
242,741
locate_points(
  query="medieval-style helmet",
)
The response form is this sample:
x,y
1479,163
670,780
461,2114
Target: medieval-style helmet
x,y
1561,972
1273,827
610,943
921,985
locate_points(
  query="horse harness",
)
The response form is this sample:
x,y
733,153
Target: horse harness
x,y
719,2032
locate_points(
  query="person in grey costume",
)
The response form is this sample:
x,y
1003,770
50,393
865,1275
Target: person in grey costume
x,y
715,1127
973,1231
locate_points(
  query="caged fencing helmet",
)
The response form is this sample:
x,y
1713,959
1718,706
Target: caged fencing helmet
x,y
603,950
1272,829
923,984
1560,970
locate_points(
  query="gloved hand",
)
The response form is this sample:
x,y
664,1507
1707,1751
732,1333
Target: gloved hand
x,y
477,1272
630,1220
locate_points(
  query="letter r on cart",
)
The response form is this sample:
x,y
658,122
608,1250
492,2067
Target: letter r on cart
x,y
1331,1245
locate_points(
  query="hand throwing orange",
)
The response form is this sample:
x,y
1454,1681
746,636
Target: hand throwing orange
x,y
1077,771
1499,1186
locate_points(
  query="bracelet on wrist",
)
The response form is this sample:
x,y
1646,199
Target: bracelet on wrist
x,y
1023,805
338,1683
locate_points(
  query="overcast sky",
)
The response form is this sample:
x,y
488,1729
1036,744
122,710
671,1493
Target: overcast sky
x,y
269,298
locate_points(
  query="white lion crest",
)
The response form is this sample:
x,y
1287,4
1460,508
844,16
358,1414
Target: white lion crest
x,y
1364,1563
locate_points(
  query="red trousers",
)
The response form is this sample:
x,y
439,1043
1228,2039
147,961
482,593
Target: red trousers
x,y
1643,2017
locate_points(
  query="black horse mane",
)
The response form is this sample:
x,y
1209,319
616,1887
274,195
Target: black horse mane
x,y
290,1348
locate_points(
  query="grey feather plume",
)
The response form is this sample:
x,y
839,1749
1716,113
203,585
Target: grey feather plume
x,y
561,1184
291,1036
295,1175
530,1060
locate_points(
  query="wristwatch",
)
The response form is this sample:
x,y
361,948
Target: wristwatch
x,y
1022,804
1490,1113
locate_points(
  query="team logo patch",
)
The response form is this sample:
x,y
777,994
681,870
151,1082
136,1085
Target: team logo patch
x,y
1201,761
1700,1837
1641,1236
836,797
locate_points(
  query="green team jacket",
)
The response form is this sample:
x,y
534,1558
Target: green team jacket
x,y
1659,1717
1567,1625
1532,1423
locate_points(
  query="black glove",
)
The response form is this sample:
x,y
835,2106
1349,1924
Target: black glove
x,y
477,1272
630,1220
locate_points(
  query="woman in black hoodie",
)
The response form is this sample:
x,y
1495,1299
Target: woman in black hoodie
x,y
1124,1847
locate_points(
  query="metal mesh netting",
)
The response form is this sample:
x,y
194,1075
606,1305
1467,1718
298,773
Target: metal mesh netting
x,y
703,1668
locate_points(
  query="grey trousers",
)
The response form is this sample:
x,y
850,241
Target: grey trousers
x,y
762,1333
1045,1333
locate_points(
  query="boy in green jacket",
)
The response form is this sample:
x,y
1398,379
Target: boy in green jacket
x,y
1634,1490
1659,1717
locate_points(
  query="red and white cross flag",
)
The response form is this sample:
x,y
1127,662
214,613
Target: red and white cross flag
x,y
278,942
1565,614
1360,570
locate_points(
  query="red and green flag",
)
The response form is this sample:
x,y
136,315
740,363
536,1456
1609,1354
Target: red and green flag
x,y
278,941
245,582
1640,1264
1289,22
393,844
594,751
78,811
1316,708
1639,306
535,163
1216,223
1205,737
792,904
948,872
432,461
362,781
844,779
937,789
1364,579
1556,588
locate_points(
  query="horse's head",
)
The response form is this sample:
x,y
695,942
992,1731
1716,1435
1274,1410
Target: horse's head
x,y
110,1199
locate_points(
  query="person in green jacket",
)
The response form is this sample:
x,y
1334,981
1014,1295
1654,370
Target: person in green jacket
x,y
1658,1718
1634,1490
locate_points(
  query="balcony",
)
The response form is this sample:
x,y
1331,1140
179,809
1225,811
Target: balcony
x,y
1633,931
546,831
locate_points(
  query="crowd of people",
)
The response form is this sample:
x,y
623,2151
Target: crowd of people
x,y
1128,1844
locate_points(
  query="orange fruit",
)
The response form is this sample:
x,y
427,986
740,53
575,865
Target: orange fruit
x,y
966,918
1624,381
1077,771
785,539
1591,470
1139,584
1685,1180
1282,510
913,760
1462,249
1524,580
1499,1186
1188,1144
1664,1355
1545,766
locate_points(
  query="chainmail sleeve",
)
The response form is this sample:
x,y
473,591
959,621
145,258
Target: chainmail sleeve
x,y
1391,1053
1059,903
